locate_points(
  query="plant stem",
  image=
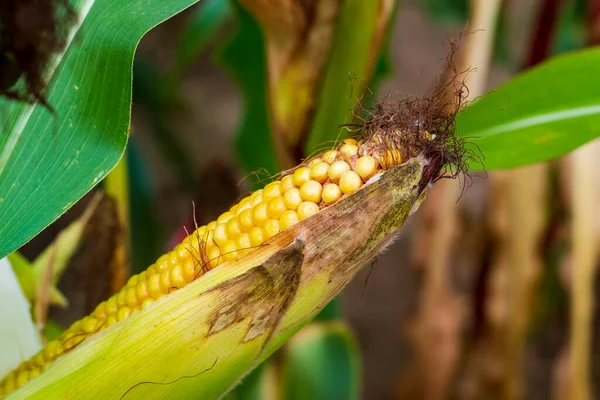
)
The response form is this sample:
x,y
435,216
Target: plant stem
x,y
583,236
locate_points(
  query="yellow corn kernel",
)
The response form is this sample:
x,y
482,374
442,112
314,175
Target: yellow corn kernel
x,y
233,228
331,193
306,209
289,218
271,191
271,228
257,236
213,254
154,287
330,156
189,274
300,176
245,220
260,214
350,141
243,241
228,250
131,297
141,290
311,191
220,233
350,182
226,216
177,278
244,204
123,313
292,198
348,150
276,207
366,167
287,183
319,172
314,161
256,197
337,169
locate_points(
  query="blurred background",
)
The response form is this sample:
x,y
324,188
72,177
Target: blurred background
x,y
471,302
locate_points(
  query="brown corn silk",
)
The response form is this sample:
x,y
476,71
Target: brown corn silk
x,y
300,193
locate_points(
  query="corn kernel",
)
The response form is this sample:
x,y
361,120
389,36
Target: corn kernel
x,y
211,226
366,167
348,150
276,207
270,191
314,161
165,282
311,191
176,277
330,156
306,209
89,324
292,199
220,234
319,172
350,141
100,311
188,271
141,290
243,241
331,193
350,182
271,228
300,176
233,228
257,236
111,305
226,216
244,204
146,303
154,287
260,214
337,169
214,255
228,250
288,219
22,378
256,197
287,183
123,313
245,220
130,297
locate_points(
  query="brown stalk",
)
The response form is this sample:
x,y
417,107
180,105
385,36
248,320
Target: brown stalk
x,y
584,237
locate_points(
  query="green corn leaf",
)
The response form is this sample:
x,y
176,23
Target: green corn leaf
x,y
66,154
539,115
322,362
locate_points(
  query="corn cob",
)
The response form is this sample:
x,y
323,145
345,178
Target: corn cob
x,y
299,193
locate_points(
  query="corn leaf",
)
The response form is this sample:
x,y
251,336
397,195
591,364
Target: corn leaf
x,y
539,115
201,340
66,153
322,362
